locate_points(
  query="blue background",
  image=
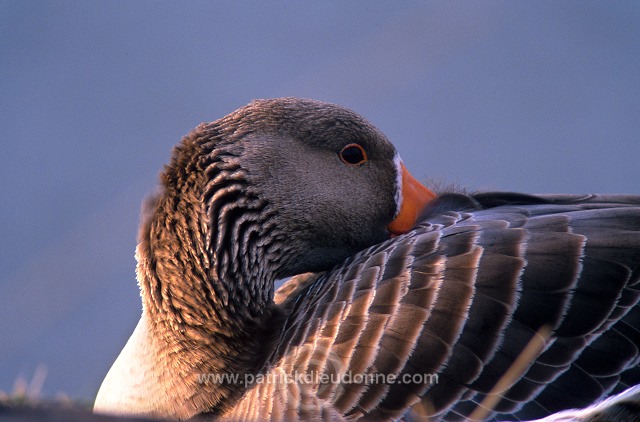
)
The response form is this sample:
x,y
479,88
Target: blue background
x,y
511,95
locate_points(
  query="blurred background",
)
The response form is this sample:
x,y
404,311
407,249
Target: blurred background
x,y
524,96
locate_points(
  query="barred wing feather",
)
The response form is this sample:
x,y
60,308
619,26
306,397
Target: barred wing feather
x,y
434,318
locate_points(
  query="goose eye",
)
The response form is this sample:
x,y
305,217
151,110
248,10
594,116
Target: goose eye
x,y
353,154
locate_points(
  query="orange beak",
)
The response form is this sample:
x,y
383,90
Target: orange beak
x,y
415,198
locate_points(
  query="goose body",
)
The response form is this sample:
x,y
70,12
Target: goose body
x,y
403,302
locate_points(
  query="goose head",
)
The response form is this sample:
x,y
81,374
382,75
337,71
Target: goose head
x,y
277,188
332,181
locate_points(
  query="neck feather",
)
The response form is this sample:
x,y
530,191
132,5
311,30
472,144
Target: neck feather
x,y
207,259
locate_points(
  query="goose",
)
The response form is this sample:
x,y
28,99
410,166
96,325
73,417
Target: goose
x,y
403,302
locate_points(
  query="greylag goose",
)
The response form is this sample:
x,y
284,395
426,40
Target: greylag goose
x,y
404,302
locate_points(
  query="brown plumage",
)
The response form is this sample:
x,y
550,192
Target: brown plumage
x,y
462,295
429,320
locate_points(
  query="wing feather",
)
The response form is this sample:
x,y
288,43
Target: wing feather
x,y
459,298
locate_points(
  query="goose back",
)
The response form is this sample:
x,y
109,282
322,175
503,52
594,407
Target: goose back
x,y
434,318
